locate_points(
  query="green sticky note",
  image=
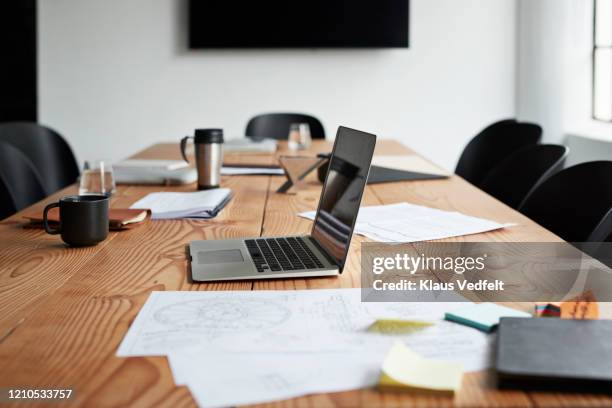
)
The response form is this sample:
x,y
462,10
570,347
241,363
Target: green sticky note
x,y
482,316
397,326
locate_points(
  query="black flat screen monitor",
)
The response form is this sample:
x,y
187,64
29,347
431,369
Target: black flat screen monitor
x,y
298,24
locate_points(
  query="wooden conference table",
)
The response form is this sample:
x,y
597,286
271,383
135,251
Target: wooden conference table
x,y
64,311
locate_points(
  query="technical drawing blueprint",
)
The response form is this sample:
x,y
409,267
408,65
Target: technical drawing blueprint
x,y
294,321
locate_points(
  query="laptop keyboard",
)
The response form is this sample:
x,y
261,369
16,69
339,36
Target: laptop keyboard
x,y
281,254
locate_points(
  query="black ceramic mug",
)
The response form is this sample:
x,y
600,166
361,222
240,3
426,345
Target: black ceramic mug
x,y
83,219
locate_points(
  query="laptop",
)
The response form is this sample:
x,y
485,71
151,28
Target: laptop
x,y
323,252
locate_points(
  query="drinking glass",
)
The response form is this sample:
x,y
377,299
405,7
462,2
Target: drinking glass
x,y
299,136
97,178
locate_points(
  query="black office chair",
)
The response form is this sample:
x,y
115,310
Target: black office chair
x,y
512,180
20,185
492,145
276,125
47,150
575,203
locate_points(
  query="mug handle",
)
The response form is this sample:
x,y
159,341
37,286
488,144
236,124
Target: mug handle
x,y
52,231
183,146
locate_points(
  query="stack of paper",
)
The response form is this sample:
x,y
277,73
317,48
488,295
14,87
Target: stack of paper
x,y
147,165
240,347
405,222
249,145
197,204
141,171
405,370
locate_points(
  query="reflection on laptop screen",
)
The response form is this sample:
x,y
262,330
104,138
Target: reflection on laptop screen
x,y
341,196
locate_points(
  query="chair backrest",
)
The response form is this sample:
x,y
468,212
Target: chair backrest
x,y
492,145
603,231
512,180
276,125
575,203
19,182
47,150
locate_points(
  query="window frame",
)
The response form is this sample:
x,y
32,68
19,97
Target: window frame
x,y
593,63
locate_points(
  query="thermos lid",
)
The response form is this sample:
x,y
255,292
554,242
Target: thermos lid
x,y
208,136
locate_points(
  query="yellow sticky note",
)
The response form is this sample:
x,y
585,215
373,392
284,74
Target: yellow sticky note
x,y
397,326
404,369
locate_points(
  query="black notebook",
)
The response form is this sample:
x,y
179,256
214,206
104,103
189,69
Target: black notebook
x,y
386,175
555,354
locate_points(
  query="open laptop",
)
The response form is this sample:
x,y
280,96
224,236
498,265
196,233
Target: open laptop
x,y
323,252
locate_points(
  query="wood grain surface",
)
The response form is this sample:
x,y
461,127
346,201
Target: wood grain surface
x,y
64,311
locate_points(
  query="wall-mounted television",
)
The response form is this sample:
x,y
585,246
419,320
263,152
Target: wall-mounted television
x,y
298,24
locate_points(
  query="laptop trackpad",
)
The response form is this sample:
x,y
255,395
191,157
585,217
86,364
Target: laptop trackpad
x,y
220,256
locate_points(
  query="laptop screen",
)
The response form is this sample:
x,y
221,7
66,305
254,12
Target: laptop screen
x,y
342,191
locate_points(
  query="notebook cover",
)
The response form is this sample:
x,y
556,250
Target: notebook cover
x,y
386,175
555,354
118,218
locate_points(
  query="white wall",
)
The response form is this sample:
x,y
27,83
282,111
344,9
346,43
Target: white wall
x,y
116,76
554,69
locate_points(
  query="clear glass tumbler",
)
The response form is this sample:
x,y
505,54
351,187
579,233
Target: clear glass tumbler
x,y
97,178
299,136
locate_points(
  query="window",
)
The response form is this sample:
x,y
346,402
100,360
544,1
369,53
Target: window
x,y
602,61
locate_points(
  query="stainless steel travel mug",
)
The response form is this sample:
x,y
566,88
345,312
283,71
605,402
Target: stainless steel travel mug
x,y
208,147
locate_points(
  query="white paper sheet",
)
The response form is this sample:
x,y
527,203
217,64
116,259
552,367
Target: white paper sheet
x,y
197,204
282,322
178,176
240,347
228,380
405,222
